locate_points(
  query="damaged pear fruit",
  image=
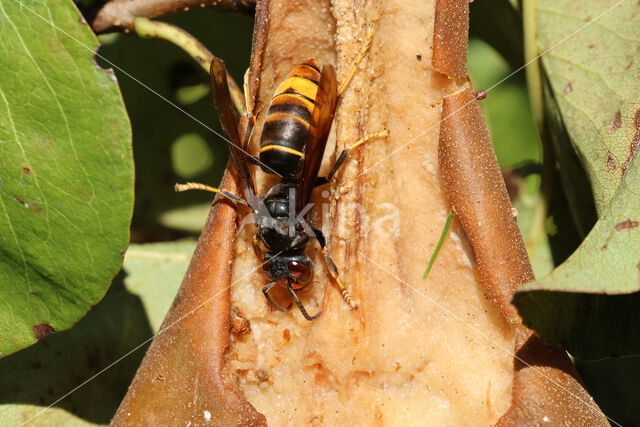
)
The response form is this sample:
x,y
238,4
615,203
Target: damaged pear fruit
x,y
449,350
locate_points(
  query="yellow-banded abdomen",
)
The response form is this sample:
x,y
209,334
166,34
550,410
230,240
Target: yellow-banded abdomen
x,y
286,128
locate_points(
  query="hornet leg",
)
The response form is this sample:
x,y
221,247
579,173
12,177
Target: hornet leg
x,y
197,186
265,291
299,303
346,295
345,153
357,62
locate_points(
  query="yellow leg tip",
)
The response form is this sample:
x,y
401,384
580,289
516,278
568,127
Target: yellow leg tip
x,y
349,300
370,32
181,187
194,186
367,138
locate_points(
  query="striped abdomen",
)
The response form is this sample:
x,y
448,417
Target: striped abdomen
x,y
286,128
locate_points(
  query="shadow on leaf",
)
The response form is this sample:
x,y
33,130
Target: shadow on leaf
x,y
45,372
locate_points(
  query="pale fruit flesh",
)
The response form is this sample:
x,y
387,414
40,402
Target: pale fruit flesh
x,y
416,352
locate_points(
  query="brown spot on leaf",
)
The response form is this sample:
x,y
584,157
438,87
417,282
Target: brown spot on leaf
x,y
419,57
33,207
42,330
616,122
633,147
612,164
591,46
36,208
629,65
21,201
626,225
568,88
26,170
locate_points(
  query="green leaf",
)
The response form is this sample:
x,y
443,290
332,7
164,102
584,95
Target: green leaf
x,y
607,263
594,79
190,218
110,341
154,272
570,173
66,172
531,223
590,304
